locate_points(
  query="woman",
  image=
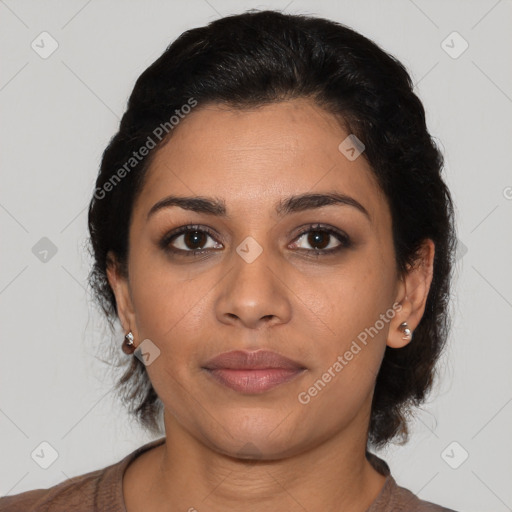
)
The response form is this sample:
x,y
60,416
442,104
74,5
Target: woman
x,y
271,228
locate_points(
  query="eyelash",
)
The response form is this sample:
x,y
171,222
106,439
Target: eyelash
x,y
344,240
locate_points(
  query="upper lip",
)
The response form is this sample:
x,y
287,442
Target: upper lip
x,y
256,360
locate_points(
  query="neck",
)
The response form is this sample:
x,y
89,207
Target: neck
x,y
334,475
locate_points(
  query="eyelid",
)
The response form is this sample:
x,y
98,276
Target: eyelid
x,y
321,227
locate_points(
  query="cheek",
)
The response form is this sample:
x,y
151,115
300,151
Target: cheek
x,y
163,299
358,294
357,309
173,312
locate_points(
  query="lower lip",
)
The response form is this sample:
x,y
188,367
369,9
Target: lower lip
x,y
253,381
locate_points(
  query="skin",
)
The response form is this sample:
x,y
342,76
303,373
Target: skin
x,y
310,309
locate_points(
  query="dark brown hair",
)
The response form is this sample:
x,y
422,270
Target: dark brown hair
x,y
258,58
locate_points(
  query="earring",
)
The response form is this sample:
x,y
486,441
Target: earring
x,y
128,345
404,327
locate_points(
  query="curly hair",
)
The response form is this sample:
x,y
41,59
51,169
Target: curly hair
x,y
261,57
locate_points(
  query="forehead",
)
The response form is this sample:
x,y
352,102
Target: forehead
x,y
253,157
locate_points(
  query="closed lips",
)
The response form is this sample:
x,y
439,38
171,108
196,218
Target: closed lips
x,y
251,373
257,360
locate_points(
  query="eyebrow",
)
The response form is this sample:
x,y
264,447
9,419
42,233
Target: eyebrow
x,y
292,204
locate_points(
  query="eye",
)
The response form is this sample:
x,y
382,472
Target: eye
x,y
189,240
193,240
323,239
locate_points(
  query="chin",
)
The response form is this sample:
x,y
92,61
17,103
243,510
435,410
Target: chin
x,y
257,435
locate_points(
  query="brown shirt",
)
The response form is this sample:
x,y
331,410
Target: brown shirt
x,y
101,490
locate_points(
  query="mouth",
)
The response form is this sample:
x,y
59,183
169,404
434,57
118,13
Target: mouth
x,y
252,372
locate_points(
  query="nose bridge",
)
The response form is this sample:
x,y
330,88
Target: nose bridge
x,y
253,263
253,290
252,274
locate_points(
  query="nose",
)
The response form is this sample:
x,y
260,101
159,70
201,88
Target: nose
x,y
254,292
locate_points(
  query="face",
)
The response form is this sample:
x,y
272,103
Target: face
x,y
313,280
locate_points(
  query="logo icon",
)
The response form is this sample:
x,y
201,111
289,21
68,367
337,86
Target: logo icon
x,y
44,455
249,249
147,352
351,147
44,45
44,250
454,45
454,455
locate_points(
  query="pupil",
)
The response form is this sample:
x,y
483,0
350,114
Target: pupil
x,y
317,237
193,237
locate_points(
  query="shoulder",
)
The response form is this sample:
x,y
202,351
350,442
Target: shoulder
x,y
78,493
97,490
404,500
394,498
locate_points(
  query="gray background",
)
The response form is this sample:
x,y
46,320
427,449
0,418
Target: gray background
x,y
57,116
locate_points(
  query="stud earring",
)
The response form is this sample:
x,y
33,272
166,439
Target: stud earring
x,y
128,345
404,327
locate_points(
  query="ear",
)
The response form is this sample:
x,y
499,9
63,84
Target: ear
x,y
120,286
412,295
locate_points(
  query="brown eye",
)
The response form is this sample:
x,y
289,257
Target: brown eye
x,y
189,240
318,239
322,240
194,239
